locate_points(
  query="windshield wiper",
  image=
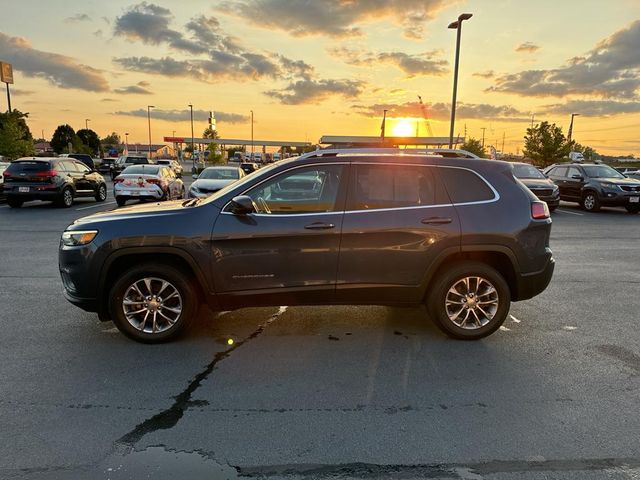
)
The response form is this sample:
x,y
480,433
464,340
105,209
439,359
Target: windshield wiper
x,y
191,202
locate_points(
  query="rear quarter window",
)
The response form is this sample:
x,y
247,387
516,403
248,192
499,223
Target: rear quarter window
x,y
465,186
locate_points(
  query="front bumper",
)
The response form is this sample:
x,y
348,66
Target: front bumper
x,y
532,284
78,280
618,199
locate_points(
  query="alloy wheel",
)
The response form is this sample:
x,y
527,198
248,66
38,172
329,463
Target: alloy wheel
x,y
472,302
152,305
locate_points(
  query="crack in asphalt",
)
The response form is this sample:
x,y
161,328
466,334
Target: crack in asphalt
x,y
169,417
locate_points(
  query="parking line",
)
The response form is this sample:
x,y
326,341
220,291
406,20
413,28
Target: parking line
x,y
572,213
96,206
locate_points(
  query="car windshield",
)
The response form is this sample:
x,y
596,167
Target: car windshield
x,y
527,171
219,174
141,170
602,171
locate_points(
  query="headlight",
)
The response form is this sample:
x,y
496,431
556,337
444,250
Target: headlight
x,y
610,186
76,238
194,189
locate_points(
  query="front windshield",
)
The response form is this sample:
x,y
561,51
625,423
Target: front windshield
x,y
602,171
219,174
527,171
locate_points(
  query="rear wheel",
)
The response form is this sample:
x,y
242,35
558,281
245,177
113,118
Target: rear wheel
x,y
633,208
469,301
14,202
66,198
182,193
121,201
152,303
590,202
101,194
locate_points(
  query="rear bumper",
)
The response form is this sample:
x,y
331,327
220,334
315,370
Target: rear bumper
x,y
532,284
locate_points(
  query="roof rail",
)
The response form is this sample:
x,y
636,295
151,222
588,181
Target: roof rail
x,y
442,152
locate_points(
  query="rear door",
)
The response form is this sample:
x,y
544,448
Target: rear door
x,y
85,179
398,219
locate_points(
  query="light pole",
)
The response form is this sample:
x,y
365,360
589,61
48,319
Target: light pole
x,y
86,123
149,107
126,143
571,127
252,135
193,158
457,25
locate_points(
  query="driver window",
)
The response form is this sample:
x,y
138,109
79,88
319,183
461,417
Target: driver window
x,y
300,190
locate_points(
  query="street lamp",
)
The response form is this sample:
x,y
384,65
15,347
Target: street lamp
x,y
252,136
457,25
193,158
149,107
86,123
571,126
126,143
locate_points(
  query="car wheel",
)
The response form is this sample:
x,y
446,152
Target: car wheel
x,y
182,193
469,301
152,303
121,201
633,208
101,194
66,198
14,202
590,202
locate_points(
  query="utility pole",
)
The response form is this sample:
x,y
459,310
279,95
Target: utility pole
x,y
383,126
483,129
193,158
86,123
252,146
571,127
532,115
149,107
503,133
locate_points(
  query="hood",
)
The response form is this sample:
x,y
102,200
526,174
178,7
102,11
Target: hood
x,y
212,184
537,183
620,181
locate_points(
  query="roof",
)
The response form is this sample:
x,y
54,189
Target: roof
x,y
357,140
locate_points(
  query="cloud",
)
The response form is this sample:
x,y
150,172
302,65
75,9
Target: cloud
x,y
20,92
334,18
593,108
610,70
527,47
412,65
109,100
140,89
184,115
59,70
314,91
441,111
485,74
79,17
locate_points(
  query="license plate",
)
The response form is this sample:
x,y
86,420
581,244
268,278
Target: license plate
x,y
634,199
23,189
134,193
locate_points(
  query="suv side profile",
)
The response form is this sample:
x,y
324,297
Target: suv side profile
x,y
372,226
126,160
595,185
51,179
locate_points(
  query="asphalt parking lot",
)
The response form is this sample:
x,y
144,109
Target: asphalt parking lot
x,y
331,392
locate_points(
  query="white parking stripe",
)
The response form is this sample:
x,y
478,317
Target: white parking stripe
x,y
96,206
514,319
572,213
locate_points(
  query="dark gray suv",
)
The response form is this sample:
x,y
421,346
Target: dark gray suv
x,y
462,236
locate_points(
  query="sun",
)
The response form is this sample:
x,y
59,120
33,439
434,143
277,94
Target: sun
x,y
404,127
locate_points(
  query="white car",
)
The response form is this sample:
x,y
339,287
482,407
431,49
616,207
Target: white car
x,y
173,164
147,182
213,179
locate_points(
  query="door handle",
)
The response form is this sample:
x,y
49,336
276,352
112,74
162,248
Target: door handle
x,y
319,226
436,220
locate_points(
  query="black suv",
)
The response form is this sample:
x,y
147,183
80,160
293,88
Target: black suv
x,y
462,236
594,186
84,158
54,179
126,160
536,181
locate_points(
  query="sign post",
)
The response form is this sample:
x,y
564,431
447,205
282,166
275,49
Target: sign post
x,y
6,75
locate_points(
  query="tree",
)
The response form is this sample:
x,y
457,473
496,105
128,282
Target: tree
x,y
111,140
546,144
215,156
473,145
210,133
62,137
90,140
15,137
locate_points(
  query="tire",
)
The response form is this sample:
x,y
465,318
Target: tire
x,y
101,194
590,202
475,324
121,201
633,208
14,202
135,326
182,193
66,198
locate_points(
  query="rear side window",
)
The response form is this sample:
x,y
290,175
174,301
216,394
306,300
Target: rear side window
x,y
391,186
28,167
464,186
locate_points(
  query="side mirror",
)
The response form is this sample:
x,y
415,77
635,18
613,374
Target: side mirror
x,y
242,205
194,176
577,177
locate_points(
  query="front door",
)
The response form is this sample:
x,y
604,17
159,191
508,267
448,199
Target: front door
x,y
398,219
287,250
574,182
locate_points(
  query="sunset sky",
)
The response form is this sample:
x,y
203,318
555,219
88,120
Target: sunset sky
x,y
311,68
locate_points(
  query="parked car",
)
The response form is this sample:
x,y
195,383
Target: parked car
x,y
594,186
3,167
249,167
106,164
330,227
147,182
635,175
172,164
625,170
82,157
51,179
127,160
538,183
212,179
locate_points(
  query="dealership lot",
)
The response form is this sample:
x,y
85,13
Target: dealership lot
x,y
325,392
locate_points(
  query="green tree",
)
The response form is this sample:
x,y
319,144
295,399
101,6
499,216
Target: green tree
x,y
215,156
111,140
210,133
90,140
473,145
15,137
546,144
62,137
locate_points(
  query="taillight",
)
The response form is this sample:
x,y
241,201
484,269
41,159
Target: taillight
x,y
539,210
47,173
6,174
154,181
118,180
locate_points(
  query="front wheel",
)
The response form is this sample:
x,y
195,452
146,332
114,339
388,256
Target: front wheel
x,y
633,208
101,194
590,202
152,303
469,301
